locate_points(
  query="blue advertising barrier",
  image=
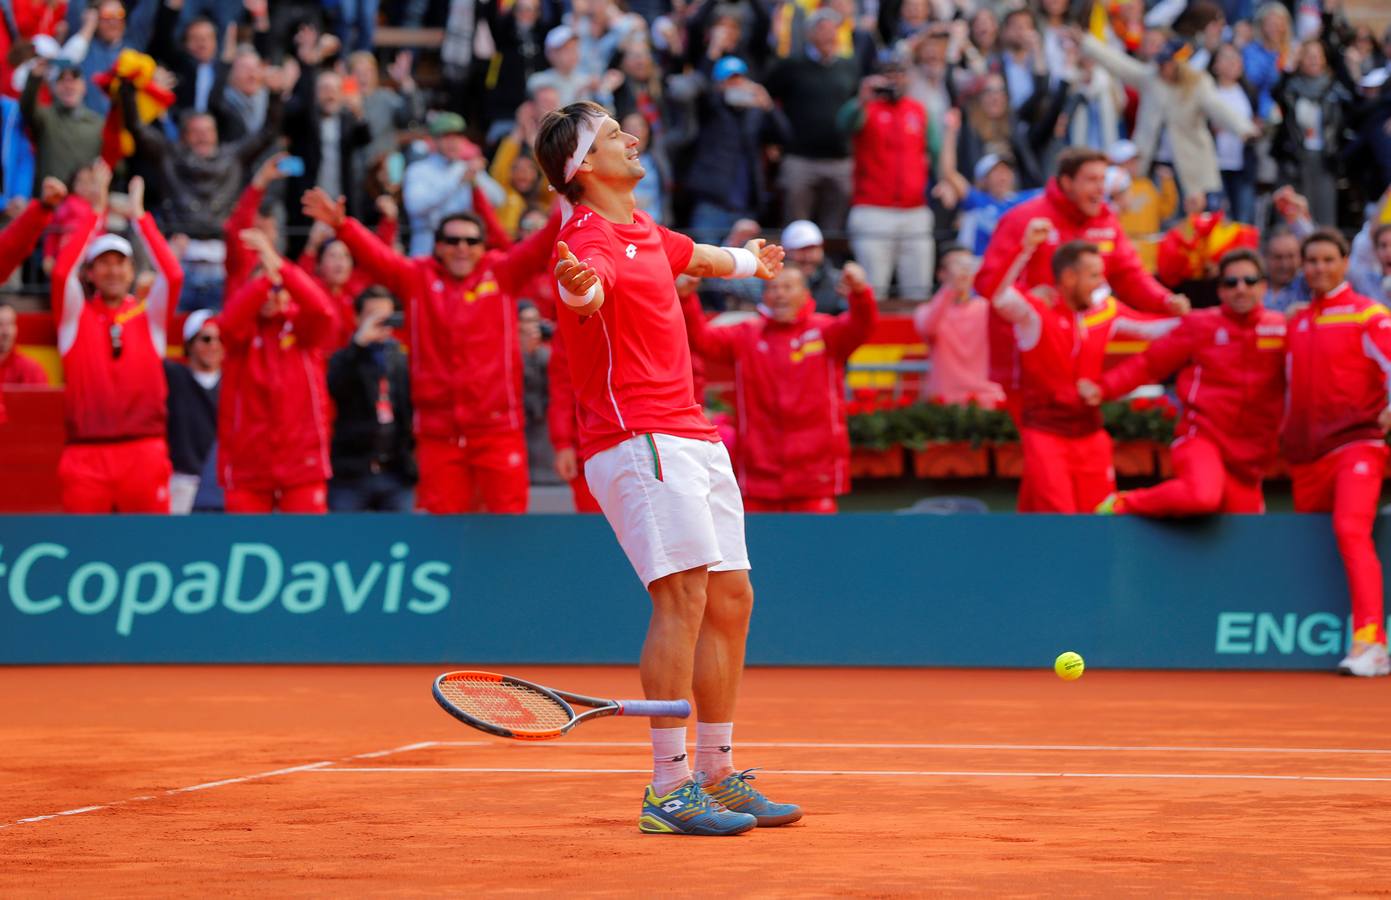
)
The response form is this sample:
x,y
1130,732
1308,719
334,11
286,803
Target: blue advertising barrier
x,y
853,590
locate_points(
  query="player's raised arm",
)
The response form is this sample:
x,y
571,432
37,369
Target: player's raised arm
x,y
1007,300
756,259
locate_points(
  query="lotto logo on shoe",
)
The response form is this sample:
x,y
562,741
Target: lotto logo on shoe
x,y
631,251
671,806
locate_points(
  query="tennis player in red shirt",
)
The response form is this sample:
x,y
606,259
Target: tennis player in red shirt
x,y
655,463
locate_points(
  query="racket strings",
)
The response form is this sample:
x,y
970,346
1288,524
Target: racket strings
x,y
510,705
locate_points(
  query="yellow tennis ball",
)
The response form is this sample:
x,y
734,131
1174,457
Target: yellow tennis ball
x,y
1069,666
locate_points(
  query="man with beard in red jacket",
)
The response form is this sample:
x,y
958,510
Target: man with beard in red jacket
x,y
1233,390
1339,360
793,451
1073,202
113,345
465,355
273,434
1060,334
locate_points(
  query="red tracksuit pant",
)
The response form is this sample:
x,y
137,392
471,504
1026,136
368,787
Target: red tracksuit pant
x,y
822,505
584,500
1202,485
1347,483
120,476
1065,474
302,498
478,474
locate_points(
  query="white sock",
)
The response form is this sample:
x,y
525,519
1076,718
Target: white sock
x,y
714,747
669,765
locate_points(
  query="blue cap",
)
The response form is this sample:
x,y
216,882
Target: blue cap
x,y
728,67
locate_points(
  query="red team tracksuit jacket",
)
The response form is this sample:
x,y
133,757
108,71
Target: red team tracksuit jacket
x,y
1232,385
1067,454
466,368
793,451
273,421
17,241
1339,360
113,360
1129,281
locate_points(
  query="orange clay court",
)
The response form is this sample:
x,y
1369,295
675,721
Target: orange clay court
x,y
279,781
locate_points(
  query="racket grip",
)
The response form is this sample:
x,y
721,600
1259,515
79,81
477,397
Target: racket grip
x,y
677,709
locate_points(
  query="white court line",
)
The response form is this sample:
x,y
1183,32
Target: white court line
x,y
308,767
1023,748
863,773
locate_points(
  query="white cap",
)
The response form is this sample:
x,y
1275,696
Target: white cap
x,y
801,234
1122,152
986,163
108,243
1117,181
195,322
559,36
1375,78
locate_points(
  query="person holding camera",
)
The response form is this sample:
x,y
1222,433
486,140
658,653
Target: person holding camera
x,y
890,223
373,450
725,177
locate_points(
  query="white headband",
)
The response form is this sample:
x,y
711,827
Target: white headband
x,y
589,130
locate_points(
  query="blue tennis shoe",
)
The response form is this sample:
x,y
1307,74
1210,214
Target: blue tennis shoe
x,y
688,810
735,794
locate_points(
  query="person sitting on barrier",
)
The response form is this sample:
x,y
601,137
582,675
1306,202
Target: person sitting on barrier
x,y
273,445
793,451
373,451
1060,334
1334,435
1233,384
113,343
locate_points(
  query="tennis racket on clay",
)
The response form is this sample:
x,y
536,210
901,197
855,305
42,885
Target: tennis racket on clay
x,y
512,708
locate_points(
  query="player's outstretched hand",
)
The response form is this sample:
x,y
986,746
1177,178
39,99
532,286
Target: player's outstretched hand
x,y
136,192
853,279
574,276
567,464
318,205
52,192
769,258
1089,391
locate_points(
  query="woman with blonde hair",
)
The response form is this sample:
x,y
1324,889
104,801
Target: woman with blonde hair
x,y
1178,101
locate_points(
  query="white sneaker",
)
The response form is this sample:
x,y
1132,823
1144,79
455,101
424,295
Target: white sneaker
x,y
1371,661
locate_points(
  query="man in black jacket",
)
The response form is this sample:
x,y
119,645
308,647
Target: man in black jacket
x,y
372,451
200,180
816,166
193,396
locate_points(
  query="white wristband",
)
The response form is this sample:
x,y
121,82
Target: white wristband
x,y
577,300
745,263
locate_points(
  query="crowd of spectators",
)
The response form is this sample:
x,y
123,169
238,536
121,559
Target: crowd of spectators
x,y
895,133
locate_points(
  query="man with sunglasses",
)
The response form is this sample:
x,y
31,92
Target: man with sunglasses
x,y
113,344
465,357
1231,365
1339,359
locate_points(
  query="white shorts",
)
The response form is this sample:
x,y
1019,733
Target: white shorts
x,y
673,503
